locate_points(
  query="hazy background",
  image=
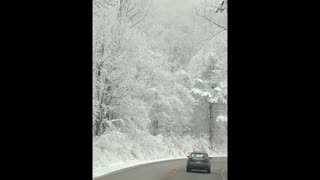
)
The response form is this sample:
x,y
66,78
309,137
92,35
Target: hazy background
x,y
159,80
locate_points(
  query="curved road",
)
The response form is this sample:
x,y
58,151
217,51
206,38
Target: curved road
x,y
170,170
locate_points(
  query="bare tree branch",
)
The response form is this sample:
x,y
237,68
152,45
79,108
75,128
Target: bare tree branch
x,y
144,15
130,7
135,14
208,40
197,13
215,34
110,2
99,4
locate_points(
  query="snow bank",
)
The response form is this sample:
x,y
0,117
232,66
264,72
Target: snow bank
x,y
116,167
117,150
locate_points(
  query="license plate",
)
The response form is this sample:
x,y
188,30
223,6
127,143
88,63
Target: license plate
x,y
198,162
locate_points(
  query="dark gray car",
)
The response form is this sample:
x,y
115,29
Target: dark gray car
x,y
198,161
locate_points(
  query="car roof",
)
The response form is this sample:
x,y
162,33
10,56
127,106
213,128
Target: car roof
x,y
204,152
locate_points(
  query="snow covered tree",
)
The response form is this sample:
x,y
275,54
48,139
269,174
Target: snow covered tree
x,y
113,47
214,12
158,77
209,71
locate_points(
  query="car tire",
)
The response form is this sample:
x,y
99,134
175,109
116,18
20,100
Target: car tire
x,y
209,171
188,170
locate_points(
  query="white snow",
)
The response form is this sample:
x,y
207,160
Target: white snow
x,y
152,83
121,166
102,171
222,118
116,150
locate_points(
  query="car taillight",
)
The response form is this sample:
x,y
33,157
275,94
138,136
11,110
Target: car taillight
x,y
206,158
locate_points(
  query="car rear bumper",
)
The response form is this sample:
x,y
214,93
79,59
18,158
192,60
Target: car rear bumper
x,y
198,166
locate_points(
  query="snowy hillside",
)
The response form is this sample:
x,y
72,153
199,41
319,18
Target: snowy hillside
x,y
117,150
159,80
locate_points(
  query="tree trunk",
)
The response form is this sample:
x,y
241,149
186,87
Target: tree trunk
x,y
211,125
155,127
213,114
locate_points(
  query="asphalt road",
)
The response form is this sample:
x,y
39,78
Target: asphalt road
x,y
171,170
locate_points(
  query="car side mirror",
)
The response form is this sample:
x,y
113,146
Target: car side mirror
x,y
210,157
188,156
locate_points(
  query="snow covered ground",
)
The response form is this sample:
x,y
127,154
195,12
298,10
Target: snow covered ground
x,y
123,165
115,150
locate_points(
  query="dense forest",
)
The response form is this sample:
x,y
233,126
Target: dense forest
x,y
159,79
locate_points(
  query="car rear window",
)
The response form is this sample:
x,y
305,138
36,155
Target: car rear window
x,y
199,155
